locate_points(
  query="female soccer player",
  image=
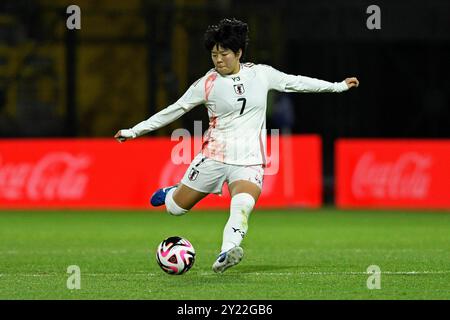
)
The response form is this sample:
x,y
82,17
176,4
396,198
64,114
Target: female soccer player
x,y
233,150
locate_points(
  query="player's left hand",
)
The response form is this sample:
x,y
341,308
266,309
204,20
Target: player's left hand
x,y
352,82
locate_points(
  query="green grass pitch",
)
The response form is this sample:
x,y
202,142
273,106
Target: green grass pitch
x,y
292,254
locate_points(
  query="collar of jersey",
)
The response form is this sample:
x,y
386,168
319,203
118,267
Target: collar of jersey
x,y
241,65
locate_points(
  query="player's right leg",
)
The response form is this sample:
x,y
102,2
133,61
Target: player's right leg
x,y
181,199
201,178
178,199
159,197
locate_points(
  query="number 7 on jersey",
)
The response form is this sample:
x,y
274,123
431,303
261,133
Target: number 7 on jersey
x,y
244,101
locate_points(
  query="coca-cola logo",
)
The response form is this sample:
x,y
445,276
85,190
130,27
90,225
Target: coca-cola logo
x,y
55,176
407,177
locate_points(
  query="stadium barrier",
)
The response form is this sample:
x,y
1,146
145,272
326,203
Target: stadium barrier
x,y
103,174
392,173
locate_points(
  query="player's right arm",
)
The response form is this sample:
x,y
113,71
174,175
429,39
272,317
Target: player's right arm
x,y
194,96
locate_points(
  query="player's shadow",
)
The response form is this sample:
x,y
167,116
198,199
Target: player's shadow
x,y
267,268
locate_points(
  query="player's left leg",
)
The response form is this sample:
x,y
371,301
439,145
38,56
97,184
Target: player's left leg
x,y
244,195
245,189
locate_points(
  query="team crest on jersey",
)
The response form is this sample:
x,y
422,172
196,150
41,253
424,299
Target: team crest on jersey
x,y
239,88
193,174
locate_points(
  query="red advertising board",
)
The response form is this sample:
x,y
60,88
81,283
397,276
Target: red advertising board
x,y
392,173
102,173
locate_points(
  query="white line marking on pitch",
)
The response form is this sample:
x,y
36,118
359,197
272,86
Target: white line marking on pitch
x,y
84,274
334,273
232,274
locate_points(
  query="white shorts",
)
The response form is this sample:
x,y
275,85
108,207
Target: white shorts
x,y
208,176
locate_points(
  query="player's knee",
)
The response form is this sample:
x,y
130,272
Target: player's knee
x,y
243,201
172,207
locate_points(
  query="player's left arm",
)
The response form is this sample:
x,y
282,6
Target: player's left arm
x,y
295,83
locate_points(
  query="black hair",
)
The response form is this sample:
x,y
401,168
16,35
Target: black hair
x,y
229,33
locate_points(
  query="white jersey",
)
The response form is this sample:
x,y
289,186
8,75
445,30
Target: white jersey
x,y
237,110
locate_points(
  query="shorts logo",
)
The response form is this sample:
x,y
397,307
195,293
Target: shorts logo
x,y
193,174
239,88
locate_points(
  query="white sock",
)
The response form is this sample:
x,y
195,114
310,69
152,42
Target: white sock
x,y
171,205
237,225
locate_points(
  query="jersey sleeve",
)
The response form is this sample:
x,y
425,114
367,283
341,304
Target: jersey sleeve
x,y
284,82
192,97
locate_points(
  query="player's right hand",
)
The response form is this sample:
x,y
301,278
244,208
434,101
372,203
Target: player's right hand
x,y
124,135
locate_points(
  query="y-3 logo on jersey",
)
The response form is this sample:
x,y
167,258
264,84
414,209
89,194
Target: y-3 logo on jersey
x,y
239,88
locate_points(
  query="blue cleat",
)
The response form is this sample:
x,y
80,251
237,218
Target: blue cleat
x,y
159,197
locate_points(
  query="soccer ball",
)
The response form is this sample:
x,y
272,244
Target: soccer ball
x,y
175,255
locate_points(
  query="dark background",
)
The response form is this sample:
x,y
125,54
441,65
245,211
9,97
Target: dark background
x,y
133,58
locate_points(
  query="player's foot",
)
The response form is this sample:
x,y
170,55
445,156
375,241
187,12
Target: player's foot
x,y
159,197
228,259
